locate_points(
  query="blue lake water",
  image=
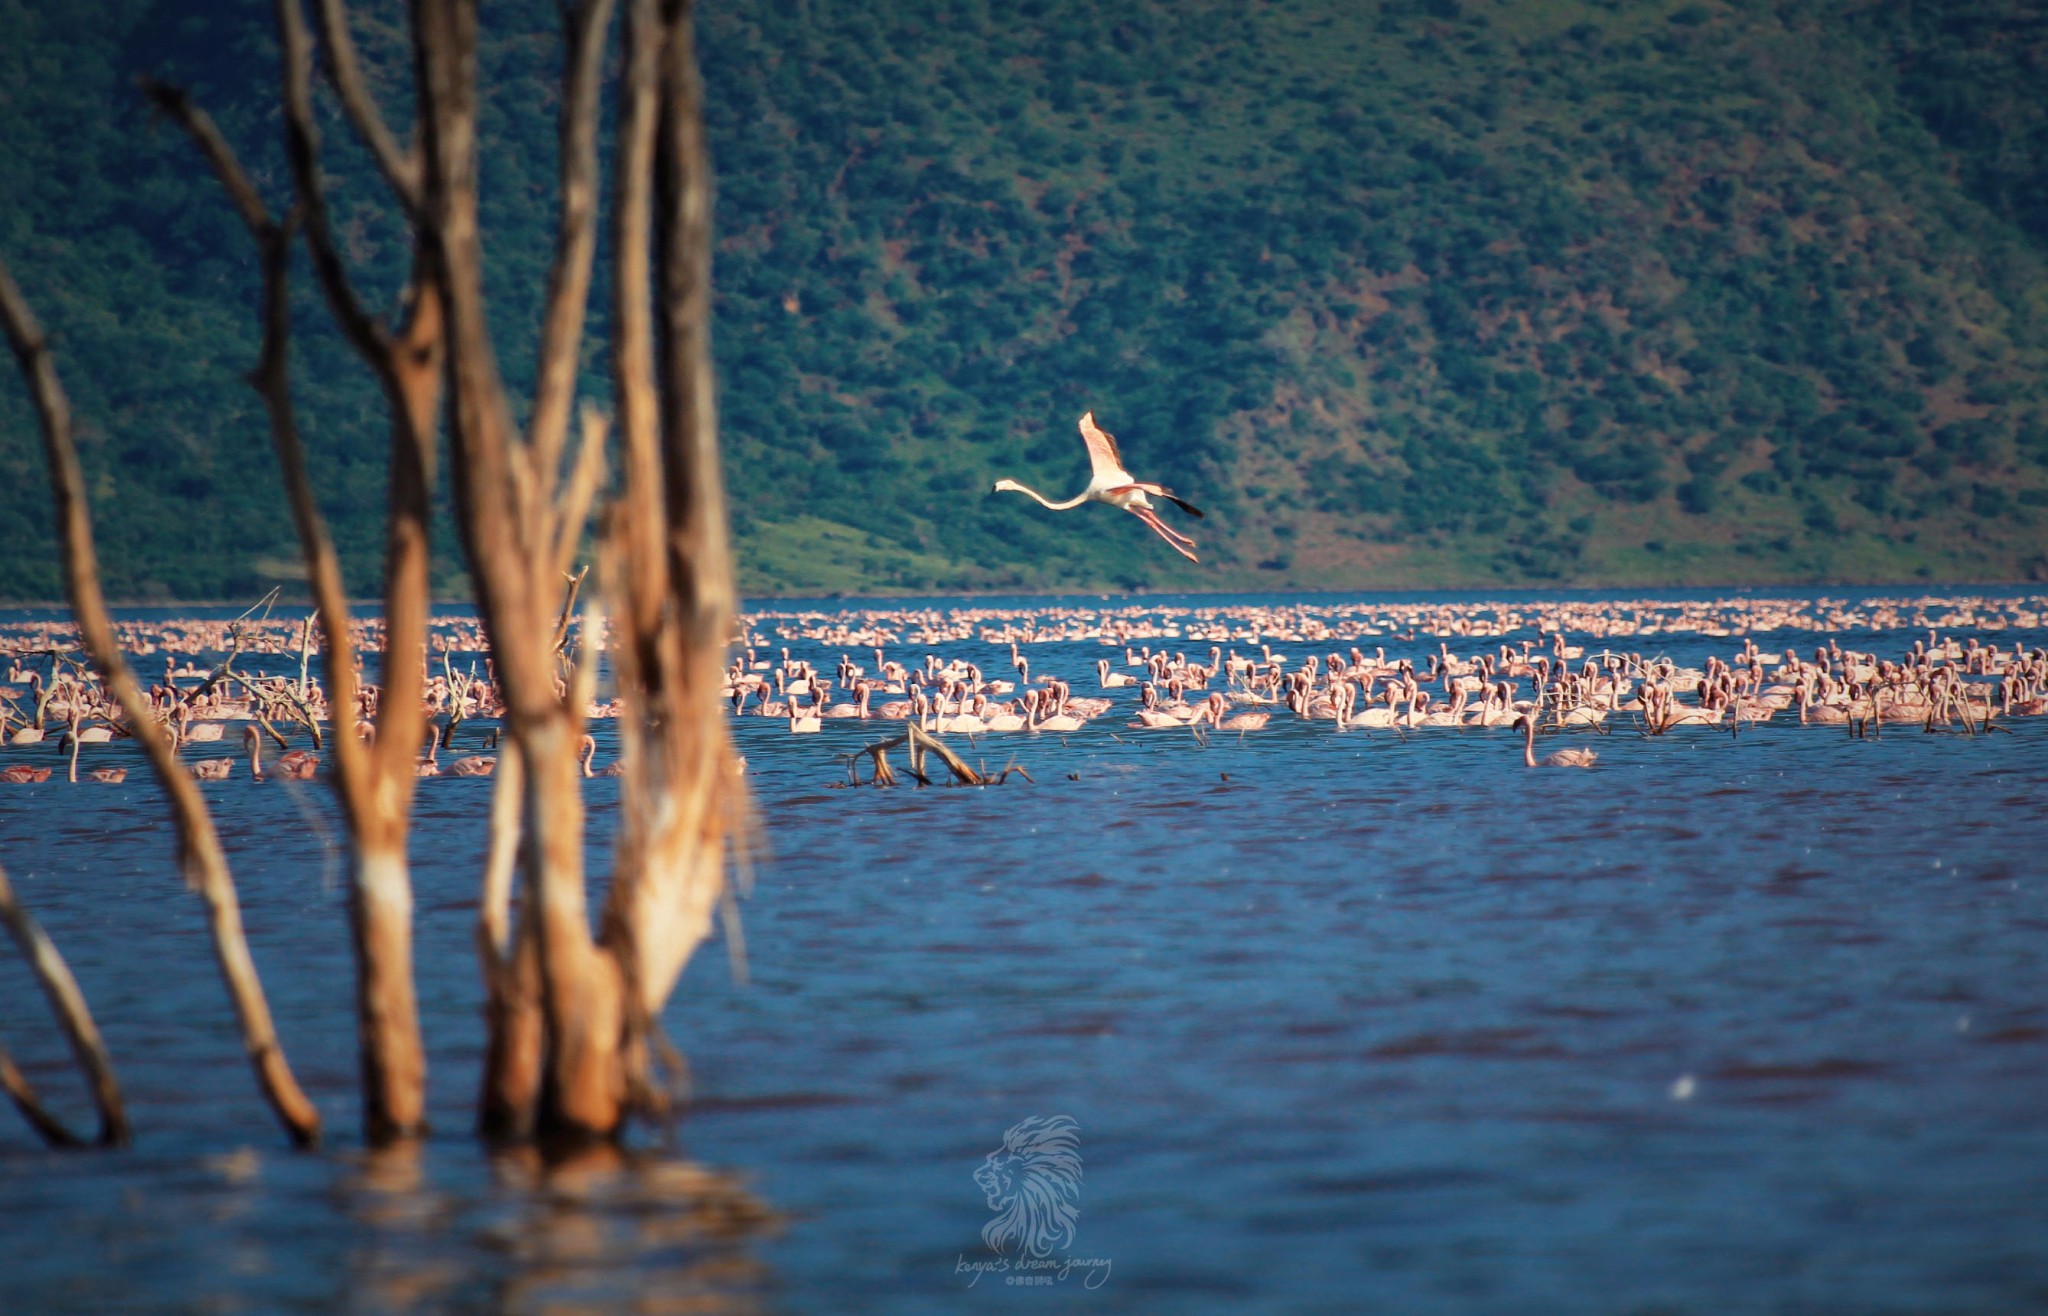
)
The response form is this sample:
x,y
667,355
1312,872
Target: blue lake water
x,y
1347,1022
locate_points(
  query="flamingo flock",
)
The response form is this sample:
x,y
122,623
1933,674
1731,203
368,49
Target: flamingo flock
x,y
1550,667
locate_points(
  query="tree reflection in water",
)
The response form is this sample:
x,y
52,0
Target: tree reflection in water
x,y
602,1229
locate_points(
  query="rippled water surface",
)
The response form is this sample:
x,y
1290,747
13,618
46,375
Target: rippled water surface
x,y
1348,1022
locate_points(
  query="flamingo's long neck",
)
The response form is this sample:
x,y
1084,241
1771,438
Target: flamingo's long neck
x,y
1073,502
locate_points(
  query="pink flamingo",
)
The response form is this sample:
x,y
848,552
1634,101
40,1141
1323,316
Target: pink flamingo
x,y
616,768
1110,483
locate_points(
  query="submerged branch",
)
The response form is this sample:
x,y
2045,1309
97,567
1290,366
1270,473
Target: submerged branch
x,y
68,1003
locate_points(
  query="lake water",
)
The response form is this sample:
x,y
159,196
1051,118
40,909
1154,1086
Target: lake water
x,y
1345,1022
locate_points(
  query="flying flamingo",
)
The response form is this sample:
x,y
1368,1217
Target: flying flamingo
x,y
1111,483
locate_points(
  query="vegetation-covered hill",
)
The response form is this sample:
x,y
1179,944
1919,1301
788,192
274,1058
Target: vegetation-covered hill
x,y
1424,292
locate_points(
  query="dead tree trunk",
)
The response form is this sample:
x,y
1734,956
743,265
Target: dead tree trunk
x,y
666,568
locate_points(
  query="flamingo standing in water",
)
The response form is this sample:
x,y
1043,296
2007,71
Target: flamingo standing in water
x,y
1110,483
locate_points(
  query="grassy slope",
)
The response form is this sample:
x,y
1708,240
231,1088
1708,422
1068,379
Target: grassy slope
x,y
1414,294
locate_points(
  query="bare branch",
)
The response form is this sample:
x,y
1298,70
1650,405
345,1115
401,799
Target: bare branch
x,y
302,148
680,802
374,785
200,853
272,380
699,538
401,169
54,977
173,104
47,1126
568,295
637,405
505,568
572,507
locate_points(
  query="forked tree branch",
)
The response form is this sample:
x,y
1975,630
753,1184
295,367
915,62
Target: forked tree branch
x,y
204,864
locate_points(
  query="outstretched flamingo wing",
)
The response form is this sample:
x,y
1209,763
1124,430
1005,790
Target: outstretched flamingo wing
x,y
1103,458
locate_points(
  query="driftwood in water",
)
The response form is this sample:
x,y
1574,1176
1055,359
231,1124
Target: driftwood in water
x,y
918,742
68,1002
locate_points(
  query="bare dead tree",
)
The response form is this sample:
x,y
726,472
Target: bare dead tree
x,y
587,1064
374,783
201,857
571,1009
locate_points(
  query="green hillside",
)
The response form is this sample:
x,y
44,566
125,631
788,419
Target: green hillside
x,y
1412,293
